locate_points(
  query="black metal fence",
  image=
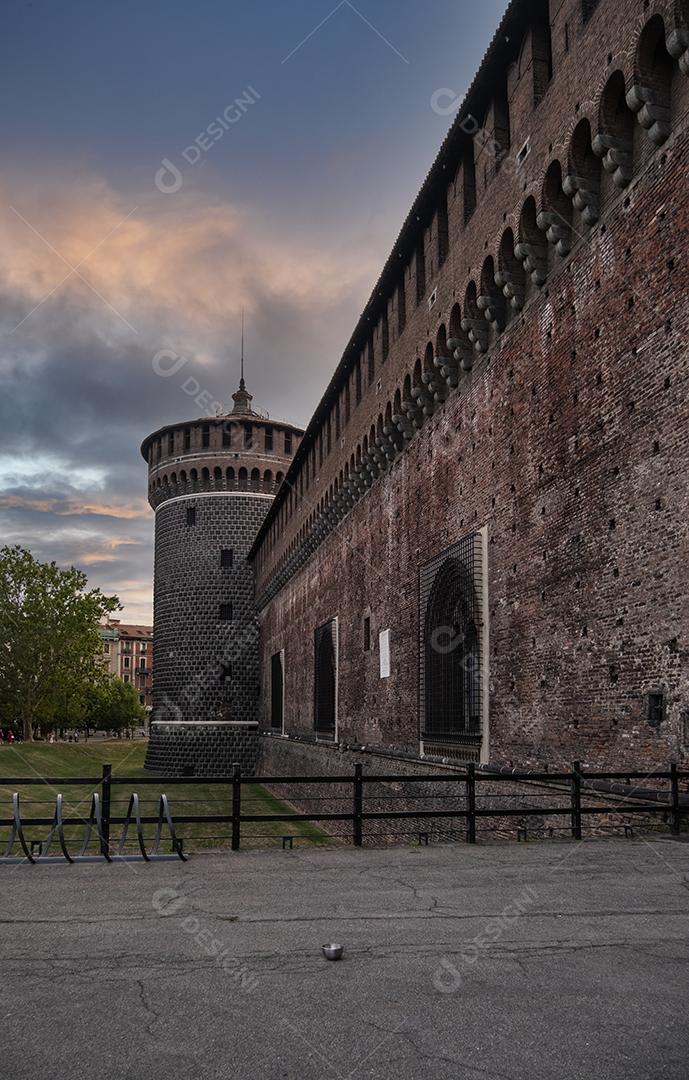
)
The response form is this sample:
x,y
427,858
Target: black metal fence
x,y
571,797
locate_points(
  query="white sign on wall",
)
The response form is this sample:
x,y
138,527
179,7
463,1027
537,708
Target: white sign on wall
x,y
384,650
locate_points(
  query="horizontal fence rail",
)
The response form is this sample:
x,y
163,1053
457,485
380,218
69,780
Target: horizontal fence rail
x,y
102,820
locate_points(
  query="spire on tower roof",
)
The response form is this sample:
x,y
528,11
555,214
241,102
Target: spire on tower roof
x,y
241,397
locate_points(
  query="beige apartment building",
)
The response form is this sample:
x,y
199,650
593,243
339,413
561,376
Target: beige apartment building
x,y
128,653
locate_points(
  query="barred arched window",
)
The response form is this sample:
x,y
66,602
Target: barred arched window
x,y
451,651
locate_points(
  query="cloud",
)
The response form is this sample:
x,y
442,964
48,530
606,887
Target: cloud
x,y
79,392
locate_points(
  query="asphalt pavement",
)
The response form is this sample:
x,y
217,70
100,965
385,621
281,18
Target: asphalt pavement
x,y
521,961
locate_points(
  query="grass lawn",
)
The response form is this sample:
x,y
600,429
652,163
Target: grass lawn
x,y
86,759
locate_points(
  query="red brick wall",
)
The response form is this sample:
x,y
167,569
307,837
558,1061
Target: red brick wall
x,y
567,442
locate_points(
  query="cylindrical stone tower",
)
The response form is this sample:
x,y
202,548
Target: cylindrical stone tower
x,y
210,482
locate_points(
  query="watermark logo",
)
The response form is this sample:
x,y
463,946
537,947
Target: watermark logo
x,y
166,363
449,977
171,904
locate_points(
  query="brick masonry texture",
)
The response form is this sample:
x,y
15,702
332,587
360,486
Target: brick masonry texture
x,y
566,441
206,668
198,749
279,756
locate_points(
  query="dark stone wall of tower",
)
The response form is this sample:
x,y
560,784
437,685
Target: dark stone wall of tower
x,y
206,667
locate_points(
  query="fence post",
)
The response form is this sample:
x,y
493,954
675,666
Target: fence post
x,y
105,785
471,803
675,822
576,800
236,805
358,805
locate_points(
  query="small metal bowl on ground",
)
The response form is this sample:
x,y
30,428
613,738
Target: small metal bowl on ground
x,y
333,952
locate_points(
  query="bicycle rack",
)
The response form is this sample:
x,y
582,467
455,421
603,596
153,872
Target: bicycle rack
x,y
108,852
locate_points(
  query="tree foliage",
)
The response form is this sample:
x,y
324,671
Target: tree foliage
x,y
113,705
50,646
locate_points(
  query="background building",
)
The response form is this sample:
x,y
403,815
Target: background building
x,y
128,653
211,482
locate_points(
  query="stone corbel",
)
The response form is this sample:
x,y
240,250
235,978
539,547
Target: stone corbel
x,y
512,288
436,385
477,332
380,459
651,111
557,230
414,412
391,440
404,425
533,259
462,353
449,369
585,195
677,43
616,156
424,399
492,304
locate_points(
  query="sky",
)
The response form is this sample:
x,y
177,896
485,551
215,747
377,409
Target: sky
x,y
166,164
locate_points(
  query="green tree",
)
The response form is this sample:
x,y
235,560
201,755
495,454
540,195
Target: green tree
x,y
113,705
50,646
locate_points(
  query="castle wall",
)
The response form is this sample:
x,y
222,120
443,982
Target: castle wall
x,y
555,429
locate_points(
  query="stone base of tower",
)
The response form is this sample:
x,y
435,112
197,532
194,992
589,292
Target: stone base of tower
x,y
198,748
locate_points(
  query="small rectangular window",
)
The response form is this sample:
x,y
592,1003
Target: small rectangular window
x,y
357,381
226,557
367,633
126,661
205,435
171,442
248,437
276,692
187,438
191,515
106,648
226,436
655,708
226,612
288,442
401,307
420,272
269,439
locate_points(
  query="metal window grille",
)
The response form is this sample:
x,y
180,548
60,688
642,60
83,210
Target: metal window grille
x,y
325,678
450,651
